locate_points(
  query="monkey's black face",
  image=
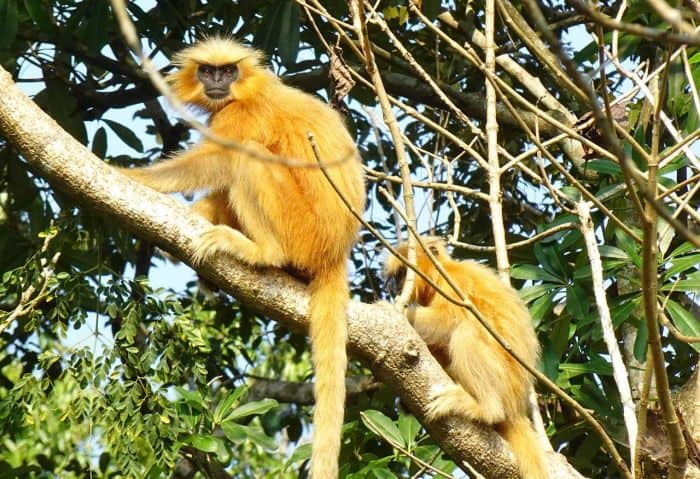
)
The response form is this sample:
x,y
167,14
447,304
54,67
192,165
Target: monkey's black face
x,y
394,281
217,79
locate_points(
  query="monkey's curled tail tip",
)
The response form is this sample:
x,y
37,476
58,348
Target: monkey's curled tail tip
x,y
526,447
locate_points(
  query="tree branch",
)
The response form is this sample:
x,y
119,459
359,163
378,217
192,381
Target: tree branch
x,y
303,393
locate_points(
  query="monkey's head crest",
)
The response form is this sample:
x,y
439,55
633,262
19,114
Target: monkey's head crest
x,y
395,269
214,72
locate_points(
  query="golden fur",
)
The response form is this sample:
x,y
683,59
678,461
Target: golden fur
x,y
492,388
286,217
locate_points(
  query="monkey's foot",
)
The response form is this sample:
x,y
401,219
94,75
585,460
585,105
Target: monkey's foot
x,y
455,401
444,401
216,239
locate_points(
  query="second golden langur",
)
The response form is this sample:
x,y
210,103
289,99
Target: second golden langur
x,y
491,386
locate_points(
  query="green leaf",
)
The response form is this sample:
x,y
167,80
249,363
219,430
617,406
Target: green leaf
x,y
224,407
584,272
550,361
607,251
383,473
560,332
620,312
431,8
549,259
203,442
681,264
288,40
409,428
191,398
8,22
251,408
684,248
684,321
267,34
691,285
577,301
99,142
629,246
640,342
586,53
59,102
530,271
531,293
383,426
97,31
571,192
576,369
238,433
301,453
39,14
607,167
126,135
540,308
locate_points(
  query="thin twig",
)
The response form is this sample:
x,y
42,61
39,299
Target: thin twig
x,y
660,36
679,450
620,374
493,168
642,410
360,24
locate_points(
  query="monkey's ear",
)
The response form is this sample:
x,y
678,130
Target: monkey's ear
x,y
435,245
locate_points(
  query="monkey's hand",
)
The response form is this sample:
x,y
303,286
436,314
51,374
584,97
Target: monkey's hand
x,y
216,239
226,240
454,400
451,401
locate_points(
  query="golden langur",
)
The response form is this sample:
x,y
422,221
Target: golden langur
x,y
491,387
285,216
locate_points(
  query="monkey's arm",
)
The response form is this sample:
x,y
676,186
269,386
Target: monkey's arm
x,y
430,323
202,167
215,208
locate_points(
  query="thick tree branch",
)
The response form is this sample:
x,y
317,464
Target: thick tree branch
x,y
378,335
303,393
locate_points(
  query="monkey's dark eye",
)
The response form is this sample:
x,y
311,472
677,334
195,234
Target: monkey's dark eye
x,y
229,71
206,70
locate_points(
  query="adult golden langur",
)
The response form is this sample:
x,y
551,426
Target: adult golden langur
x,y
285,216
491,386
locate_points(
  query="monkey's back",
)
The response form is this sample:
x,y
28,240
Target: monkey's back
x,y
483,359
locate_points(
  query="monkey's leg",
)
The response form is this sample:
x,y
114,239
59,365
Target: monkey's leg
x,y
202,167
258,202
215,209
226,240
431,324
485,389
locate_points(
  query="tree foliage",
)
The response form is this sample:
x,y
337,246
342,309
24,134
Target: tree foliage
x,y
115,363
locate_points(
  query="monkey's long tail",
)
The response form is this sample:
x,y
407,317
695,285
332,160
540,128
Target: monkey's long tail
x,y
329,298
526,447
